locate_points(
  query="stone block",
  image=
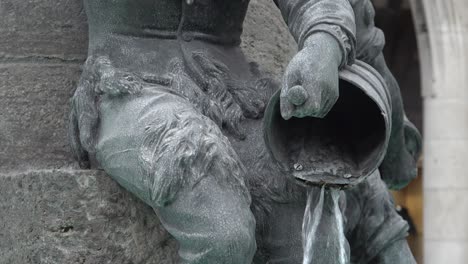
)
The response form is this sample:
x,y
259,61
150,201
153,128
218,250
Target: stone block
x,y
42,29
266,39
64,216
34,101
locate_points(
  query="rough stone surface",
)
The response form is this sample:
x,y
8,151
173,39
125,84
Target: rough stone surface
x,y
266,39
42,29
60,216
33,121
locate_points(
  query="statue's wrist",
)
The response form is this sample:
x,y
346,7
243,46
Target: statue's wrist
x,y
324,47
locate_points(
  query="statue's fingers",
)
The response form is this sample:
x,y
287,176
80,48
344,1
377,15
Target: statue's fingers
x,y
311,107
74,138
74,133
297,95
287,109
330,102
84,104
88,122
307,109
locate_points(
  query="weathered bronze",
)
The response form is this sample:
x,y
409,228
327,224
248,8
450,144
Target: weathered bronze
x,y
342,148
170,108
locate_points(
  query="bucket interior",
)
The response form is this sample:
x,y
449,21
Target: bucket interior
x,y
345,145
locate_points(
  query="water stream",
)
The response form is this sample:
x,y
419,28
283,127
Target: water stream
x,y
323,235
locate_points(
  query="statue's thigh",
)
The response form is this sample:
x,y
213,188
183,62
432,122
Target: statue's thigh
x,y
157,144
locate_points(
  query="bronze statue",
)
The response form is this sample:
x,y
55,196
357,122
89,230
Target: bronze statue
x,y
170,108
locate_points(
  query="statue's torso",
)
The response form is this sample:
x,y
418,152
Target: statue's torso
x,y
219,20
143,36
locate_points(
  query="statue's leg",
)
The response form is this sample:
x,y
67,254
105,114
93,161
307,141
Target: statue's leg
x,y
399,167
164,151
375,231
281,241
211,223
398,252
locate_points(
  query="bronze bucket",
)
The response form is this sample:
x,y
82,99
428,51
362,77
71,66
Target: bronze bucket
x,y
342,148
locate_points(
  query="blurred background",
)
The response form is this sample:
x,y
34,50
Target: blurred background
x,y
401,52
427,49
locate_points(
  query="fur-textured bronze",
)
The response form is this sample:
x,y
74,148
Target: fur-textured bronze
x,y
170,108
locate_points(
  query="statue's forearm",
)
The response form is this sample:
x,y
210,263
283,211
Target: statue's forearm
x,y
334,17
399,252
324,46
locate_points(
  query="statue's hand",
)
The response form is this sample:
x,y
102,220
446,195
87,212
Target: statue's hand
x,y
310,83
99,78
84,117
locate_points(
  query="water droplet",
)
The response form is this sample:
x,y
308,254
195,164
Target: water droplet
x,y
298,167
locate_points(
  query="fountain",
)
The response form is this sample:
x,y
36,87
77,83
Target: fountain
x,y
331,154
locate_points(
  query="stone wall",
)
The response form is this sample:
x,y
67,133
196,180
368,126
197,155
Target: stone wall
x,y
70,216
42,46
50,211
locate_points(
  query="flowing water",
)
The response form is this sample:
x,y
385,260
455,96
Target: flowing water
x,y
323,235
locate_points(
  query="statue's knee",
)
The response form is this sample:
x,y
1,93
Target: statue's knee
x,y
181,150
236,244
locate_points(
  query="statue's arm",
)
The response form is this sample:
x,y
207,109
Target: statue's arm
x,y
334,17
399,252
325,32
